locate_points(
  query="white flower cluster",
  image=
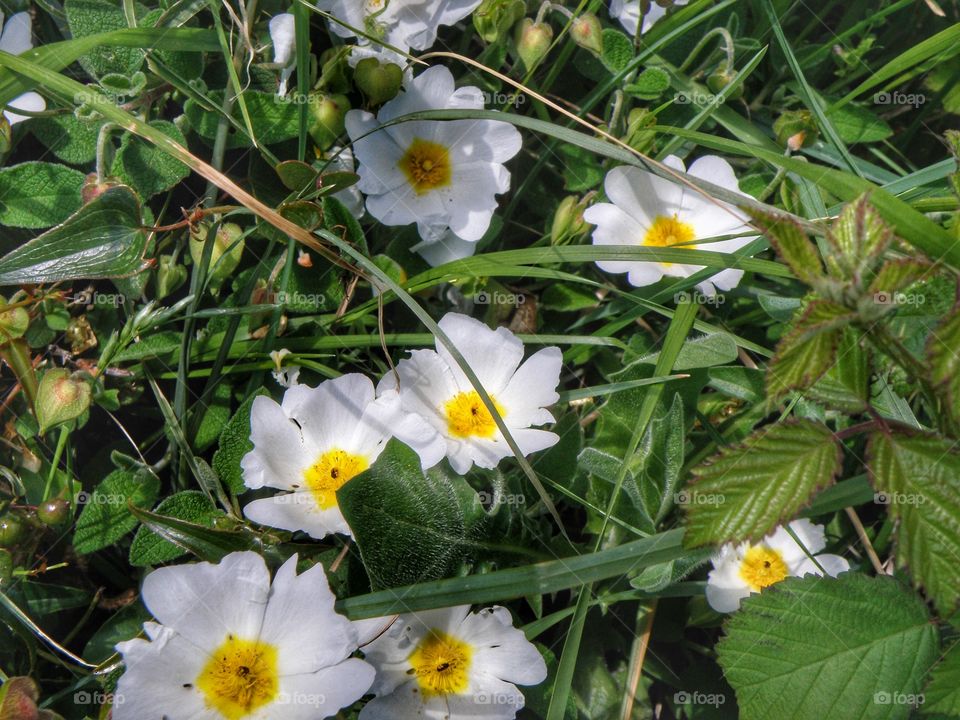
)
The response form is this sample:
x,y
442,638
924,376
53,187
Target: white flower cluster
x,y
317,438
229,644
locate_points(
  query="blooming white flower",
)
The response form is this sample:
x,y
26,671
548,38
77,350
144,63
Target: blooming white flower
x,y
628,13
229,645
404,24
739,570
284,37
649,211
313,443
461,427
17,38
442,175
451,664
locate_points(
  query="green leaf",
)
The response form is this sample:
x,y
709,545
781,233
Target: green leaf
x,y
149,548
89,17
409,528
919,477
809,350
895,275
205,542
617,50
70,139
792,244
845,386
38,194
847,648
859,237
942,694
704,351
272,119
102,240
943,354
746,490
234,444
216,415
855,124
106,515
649,84
147,168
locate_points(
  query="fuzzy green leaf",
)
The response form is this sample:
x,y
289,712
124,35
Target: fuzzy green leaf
x,y
271,119
920,479
70,139
859,237
849,648
89,17
106,515
943,354
792,244
38,194
149,548
744,491
845,386
145,167
617,50
234,444
942,695
205,542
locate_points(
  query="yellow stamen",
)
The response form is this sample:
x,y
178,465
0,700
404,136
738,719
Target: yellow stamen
x,y
762,567
467,416
668,231
426,165
240,677
331,472
442,664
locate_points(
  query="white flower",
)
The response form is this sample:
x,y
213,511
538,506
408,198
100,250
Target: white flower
x,y
628,13
16,39
404,24
649,211
451,664
229,645
284,36
739,570
433,386
442,175
313,443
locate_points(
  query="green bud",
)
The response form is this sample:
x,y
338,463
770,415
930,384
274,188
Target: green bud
x,y
225,254
720,79
327,113
494,18
53,512
6,135
11,530
13,322
170,276
587,33
568,220
796,129
640,134
18,699
378,81
334,70
61,397
533,41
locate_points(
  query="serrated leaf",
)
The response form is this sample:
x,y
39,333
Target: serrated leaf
x,y
147,168
617,50
89,17
943,355
408,527
805,353
149,548
846,648
102,240
895,275
68,138
845,386
234,444
745,491
859,237
942,694
106,516
38,194
272,119
920,477
205,542
791,244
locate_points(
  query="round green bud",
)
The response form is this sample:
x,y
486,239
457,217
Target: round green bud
x,y
62,396
11,529
53,512
13,322
378,81
533,41
587,33
327,115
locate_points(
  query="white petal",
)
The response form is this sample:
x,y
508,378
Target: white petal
x,y
406,703
409,427
614,226
833,565
279,453
284,37
204,602
726,599
370,629
811,537
323,693
17,33
330,413
426,384
30,101
301,622
645,273
430,90
641,194
532,387
501,650
297,511
492,354
447,249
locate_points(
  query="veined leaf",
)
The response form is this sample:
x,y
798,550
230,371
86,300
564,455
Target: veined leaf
x,y
106,516
743,492
847,648
944,359
149,548
846,384
38,194
920,478
792,244
205,542
942,695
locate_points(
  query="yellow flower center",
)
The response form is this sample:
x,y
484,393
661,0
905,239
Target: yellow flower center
x,y
668,231
442,664
762,567
240,677
330,473
467,416
426,165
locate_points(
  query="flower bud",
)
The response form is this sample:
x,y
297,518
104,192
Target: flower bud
x,y
533,41
53,512
720,79
494,18
378,81
11,530
327,113
13,322
225,254
587,33
61,397
170,276
6,135
796,129
568,220
640,134
93,189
